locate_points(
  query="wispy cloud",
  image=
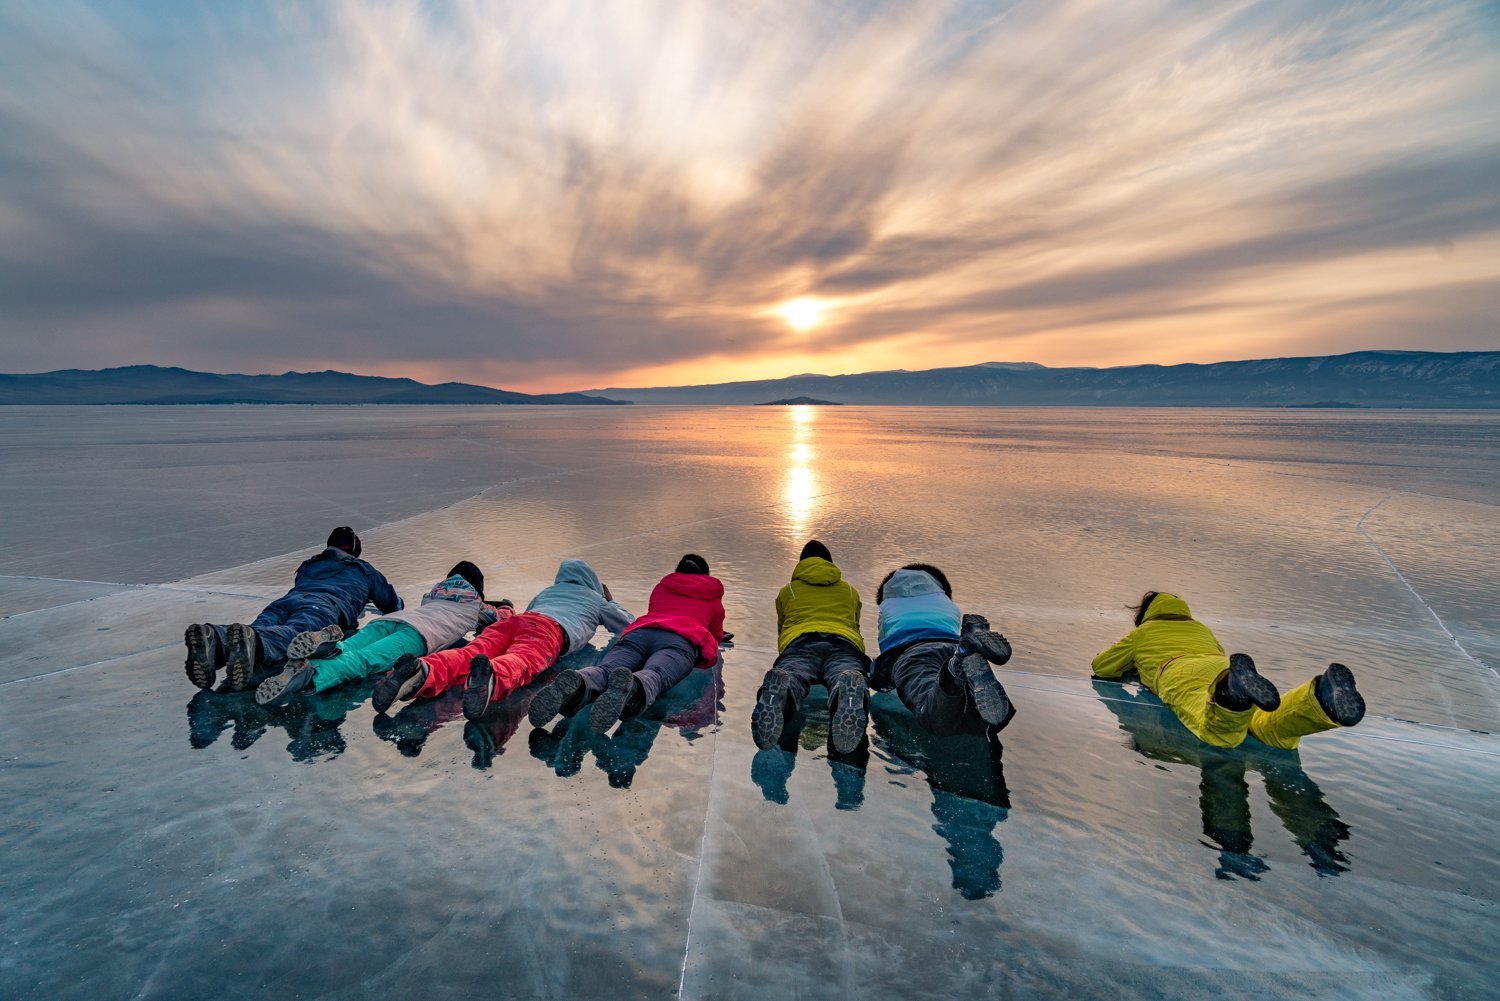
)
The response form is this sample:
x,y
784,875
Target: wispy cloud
x,y
563,194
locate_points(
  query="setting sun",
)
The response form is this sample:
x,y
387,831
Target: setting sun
x,y
803,314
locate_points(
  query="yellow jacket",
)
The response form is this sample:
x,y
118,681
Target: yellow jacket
x,y
1168,630
817,600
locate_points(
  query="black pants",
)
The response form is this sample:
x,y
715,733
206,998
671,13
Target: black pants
x,y
817,659
659,658
941,705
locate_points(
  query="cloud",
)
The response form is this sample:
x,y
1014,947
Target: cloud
x,y
566,193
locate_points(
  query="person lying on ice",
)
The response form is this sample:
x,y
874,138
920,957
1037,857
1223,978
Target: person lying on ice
x,y
329,593
453,608
937,660
563,617
1221,699
682,628
818,642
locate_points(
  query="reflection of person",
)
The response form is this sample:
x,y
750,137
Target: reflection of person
x,y
453,608
969,795
937,660
1221,699
328,596
682,628
311,724
1224,796
771,768
507,655
818,642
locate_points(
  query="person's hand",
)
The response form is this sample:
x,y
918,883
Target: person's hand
x,y
605,588
728,640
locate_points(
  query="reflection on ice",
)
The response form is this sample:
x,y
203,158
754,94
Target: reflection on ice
x,y
312,724
799,494
1224,795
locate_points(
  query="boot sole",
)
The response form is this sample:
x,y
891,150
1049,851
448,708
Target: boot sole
x,y
388,688
1348,704
238,666
991,645
769,715
200,666
549,701
304,645
847,722
605,712
479,687
292,679
989,697
1261,693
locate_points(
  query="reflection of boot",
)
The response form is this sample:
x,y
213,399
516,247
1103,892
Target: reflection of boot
x,y
557,749
1338,696
477,739
770,770
1244,687
239,656
769,714
203,654
849,718
974,856
206,720
1224,801
1306,815
407,734
849,778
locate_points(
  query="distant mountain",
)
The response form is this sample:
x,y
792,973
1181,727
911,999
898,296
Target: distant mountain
x,y
1458,379
153,384
799,401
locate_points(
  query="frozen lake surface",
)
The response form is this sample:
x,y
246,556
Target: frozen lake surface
x,y
165,843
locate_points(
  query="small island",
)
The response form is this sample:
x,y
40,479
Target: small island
x,y
800,401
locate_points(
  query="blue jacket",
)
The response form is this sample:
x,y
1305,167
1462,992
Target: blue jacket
x,y
345,583
914,608
576,602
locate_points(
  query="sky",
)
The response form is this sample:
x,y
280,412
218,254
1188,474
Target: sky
x,y
559,195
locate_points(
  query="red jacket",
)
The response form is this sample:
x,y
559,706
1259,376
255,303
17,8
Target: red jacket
x,y
690,605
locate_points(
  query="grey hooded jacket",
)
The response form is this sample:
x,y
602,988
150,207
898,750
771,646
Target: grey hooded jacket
x,y
576,602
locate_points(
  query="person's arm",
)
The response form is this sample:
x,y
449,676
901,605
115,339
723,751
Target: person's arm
x,y
716,622
383,595
780,610
1118,660
615,617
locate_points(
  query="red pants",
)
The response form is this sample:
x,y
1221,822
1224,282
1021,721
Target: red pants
x,y
520,647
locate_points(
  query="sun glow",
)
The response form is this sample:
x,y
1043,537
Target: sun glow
x,y
803,314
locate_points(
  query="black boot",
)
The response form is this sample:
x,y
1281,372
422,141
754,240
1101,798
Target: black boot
x,y
479,690
769,714
1338,696
1243,687
977,637
401,682
618,694
318,643
203,654
850,695
240,656
564,695
294,677
986,691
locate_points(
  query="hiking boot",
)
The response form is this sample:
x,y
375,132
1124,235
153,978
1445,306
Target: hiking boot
x,y
480,688
1243,687
563,695
401,682
621,690
318,643
988,695
1338,696
769,714
203,652
295,676
239,656
977,637
846,723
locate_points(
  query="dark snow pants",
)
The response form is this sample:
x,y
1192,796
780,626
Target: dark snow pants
x,y
817,659
938,701
281,620
659,659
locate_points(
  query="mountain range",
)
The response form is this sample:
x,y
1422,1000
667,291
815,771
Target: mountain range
x,y
153,384
1458,379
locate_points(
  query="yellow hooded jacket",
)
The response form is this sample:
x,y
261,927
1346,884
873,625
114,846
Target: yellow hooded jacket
x,y
817,600
1168,631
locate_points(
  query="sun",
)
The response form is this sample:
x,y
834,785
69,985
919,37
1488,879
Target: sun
x,y
802,314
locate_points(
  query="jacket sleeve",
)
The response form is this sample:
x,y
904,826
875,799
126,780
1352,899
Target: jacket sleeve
x,y
781,597
615,617
1118,660
859,607
382,594
716,624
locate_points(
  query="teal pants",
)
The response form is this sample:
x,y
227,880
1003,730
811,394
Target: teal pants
x,y
372,650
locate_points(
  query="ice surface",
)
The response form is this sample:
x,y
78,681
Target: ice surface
x,y
162,843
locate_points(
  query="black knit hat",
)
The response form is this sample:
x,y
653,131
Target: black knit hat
x,y
816,548
470,573
344,538
692,563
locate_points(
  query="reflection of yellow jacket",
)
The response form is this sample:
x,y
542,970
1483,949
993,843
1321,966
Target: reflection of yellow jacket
x,y
1168,630
818,600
